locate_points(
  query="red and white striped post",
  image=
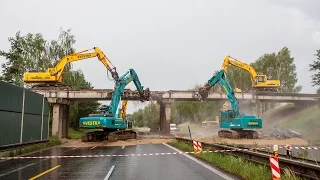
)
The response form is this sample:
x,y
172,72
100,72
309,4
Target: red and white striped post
x,y
196,146
274,164
199,146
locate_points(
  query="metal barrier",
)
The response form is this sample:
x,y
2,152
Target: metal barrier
x,y
302,169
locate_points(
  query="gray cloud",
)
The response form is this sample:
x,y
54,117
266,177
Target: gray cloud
x,y
171,44
310,8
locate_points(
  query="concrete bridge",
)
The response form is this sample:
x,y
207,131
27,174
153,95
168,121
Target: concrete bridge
x,y
60,100
177,95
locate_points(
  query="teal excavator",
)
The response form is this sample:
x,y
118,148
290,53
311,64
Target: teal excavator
x,y
114,127
234,124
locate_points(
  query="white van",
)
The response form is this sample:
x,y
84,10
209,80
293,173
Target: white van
x,y
173,127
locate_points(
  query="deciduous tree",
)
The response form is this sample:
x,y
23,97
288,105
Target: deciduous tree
x,y
32,52
279,66
315,67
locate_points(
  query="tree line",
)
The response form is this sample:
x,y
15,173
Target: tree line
x,y
278,65
32,52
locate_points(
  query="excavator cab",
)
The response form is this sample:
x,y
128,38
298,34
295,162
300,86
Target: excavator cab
x,y
129,123
261,79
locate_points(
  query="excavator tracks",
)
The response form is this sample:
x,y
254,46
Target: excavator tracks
x,y
230,134
237,134
93,136
50,86
265,90
121,135
110,136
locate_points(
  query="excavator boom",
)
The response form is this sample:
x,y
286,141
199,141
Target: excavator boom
x,y
54,75
259,82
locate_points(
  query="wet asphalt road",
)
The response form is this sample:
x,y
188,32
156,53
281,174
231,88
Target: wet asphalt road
x,y
132,167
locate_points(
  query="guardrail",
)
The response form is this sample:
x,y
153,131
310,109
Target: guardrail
x,y
302,169
21,145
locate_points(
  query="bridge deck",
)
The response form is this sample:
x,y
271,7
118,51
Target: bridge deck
x,y
105,94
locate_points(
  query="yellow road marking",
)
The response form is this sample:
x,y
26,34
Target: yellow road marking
x,y
93,147
35,177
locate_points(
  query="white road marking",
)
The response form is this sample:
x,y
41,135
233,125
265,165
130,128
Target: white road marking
x,y
17,169
109,173
123,147
32,163
202,164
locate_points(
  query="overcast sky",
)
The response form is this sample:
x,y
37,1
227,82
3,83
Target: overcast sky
x,y
172,44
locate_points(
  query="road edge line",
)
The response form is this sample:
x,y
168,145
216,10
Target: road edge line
x,y
18,169
109,173
214,170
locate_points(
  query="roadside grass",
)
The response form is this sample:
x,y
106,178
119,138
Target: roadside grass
x,y
234,165
307,123
54,141
304,120
73,134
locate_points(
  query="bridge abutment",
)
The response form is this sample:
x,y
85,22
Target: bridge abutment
x,y
60,116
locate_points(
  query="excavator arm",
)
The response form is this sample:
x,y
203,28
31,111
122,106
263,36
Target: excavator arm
x,y
228,60
221,78
259,82
54,75
119,90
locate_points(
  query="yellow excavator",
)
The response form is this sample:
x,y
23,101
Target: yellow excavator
x,y
259,82
123,114
123,110
53,76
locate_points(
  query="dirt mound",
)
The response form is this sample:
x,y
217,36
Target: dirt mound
x,y
139,140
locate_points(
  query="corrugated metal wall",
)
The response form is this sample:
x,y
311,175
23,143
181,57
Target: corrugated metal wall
x,y
22,108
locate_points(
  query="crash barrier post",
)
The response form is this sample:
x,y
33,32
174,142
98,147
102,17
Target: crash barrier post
x,y
274,164
189,132
289,151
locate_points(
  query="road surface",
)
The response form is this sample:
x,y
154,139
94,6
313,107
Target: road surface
x,y
137,167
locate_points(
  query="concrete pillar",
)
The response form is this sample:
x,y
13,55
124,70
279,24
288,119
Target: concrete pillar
x,y
255,108
60,116
57,120
65,120
162,117
165,113
167,116
246,107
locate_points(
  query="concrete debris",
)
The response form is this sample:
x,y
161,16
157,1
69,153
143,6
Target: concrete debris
x,y
284,134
